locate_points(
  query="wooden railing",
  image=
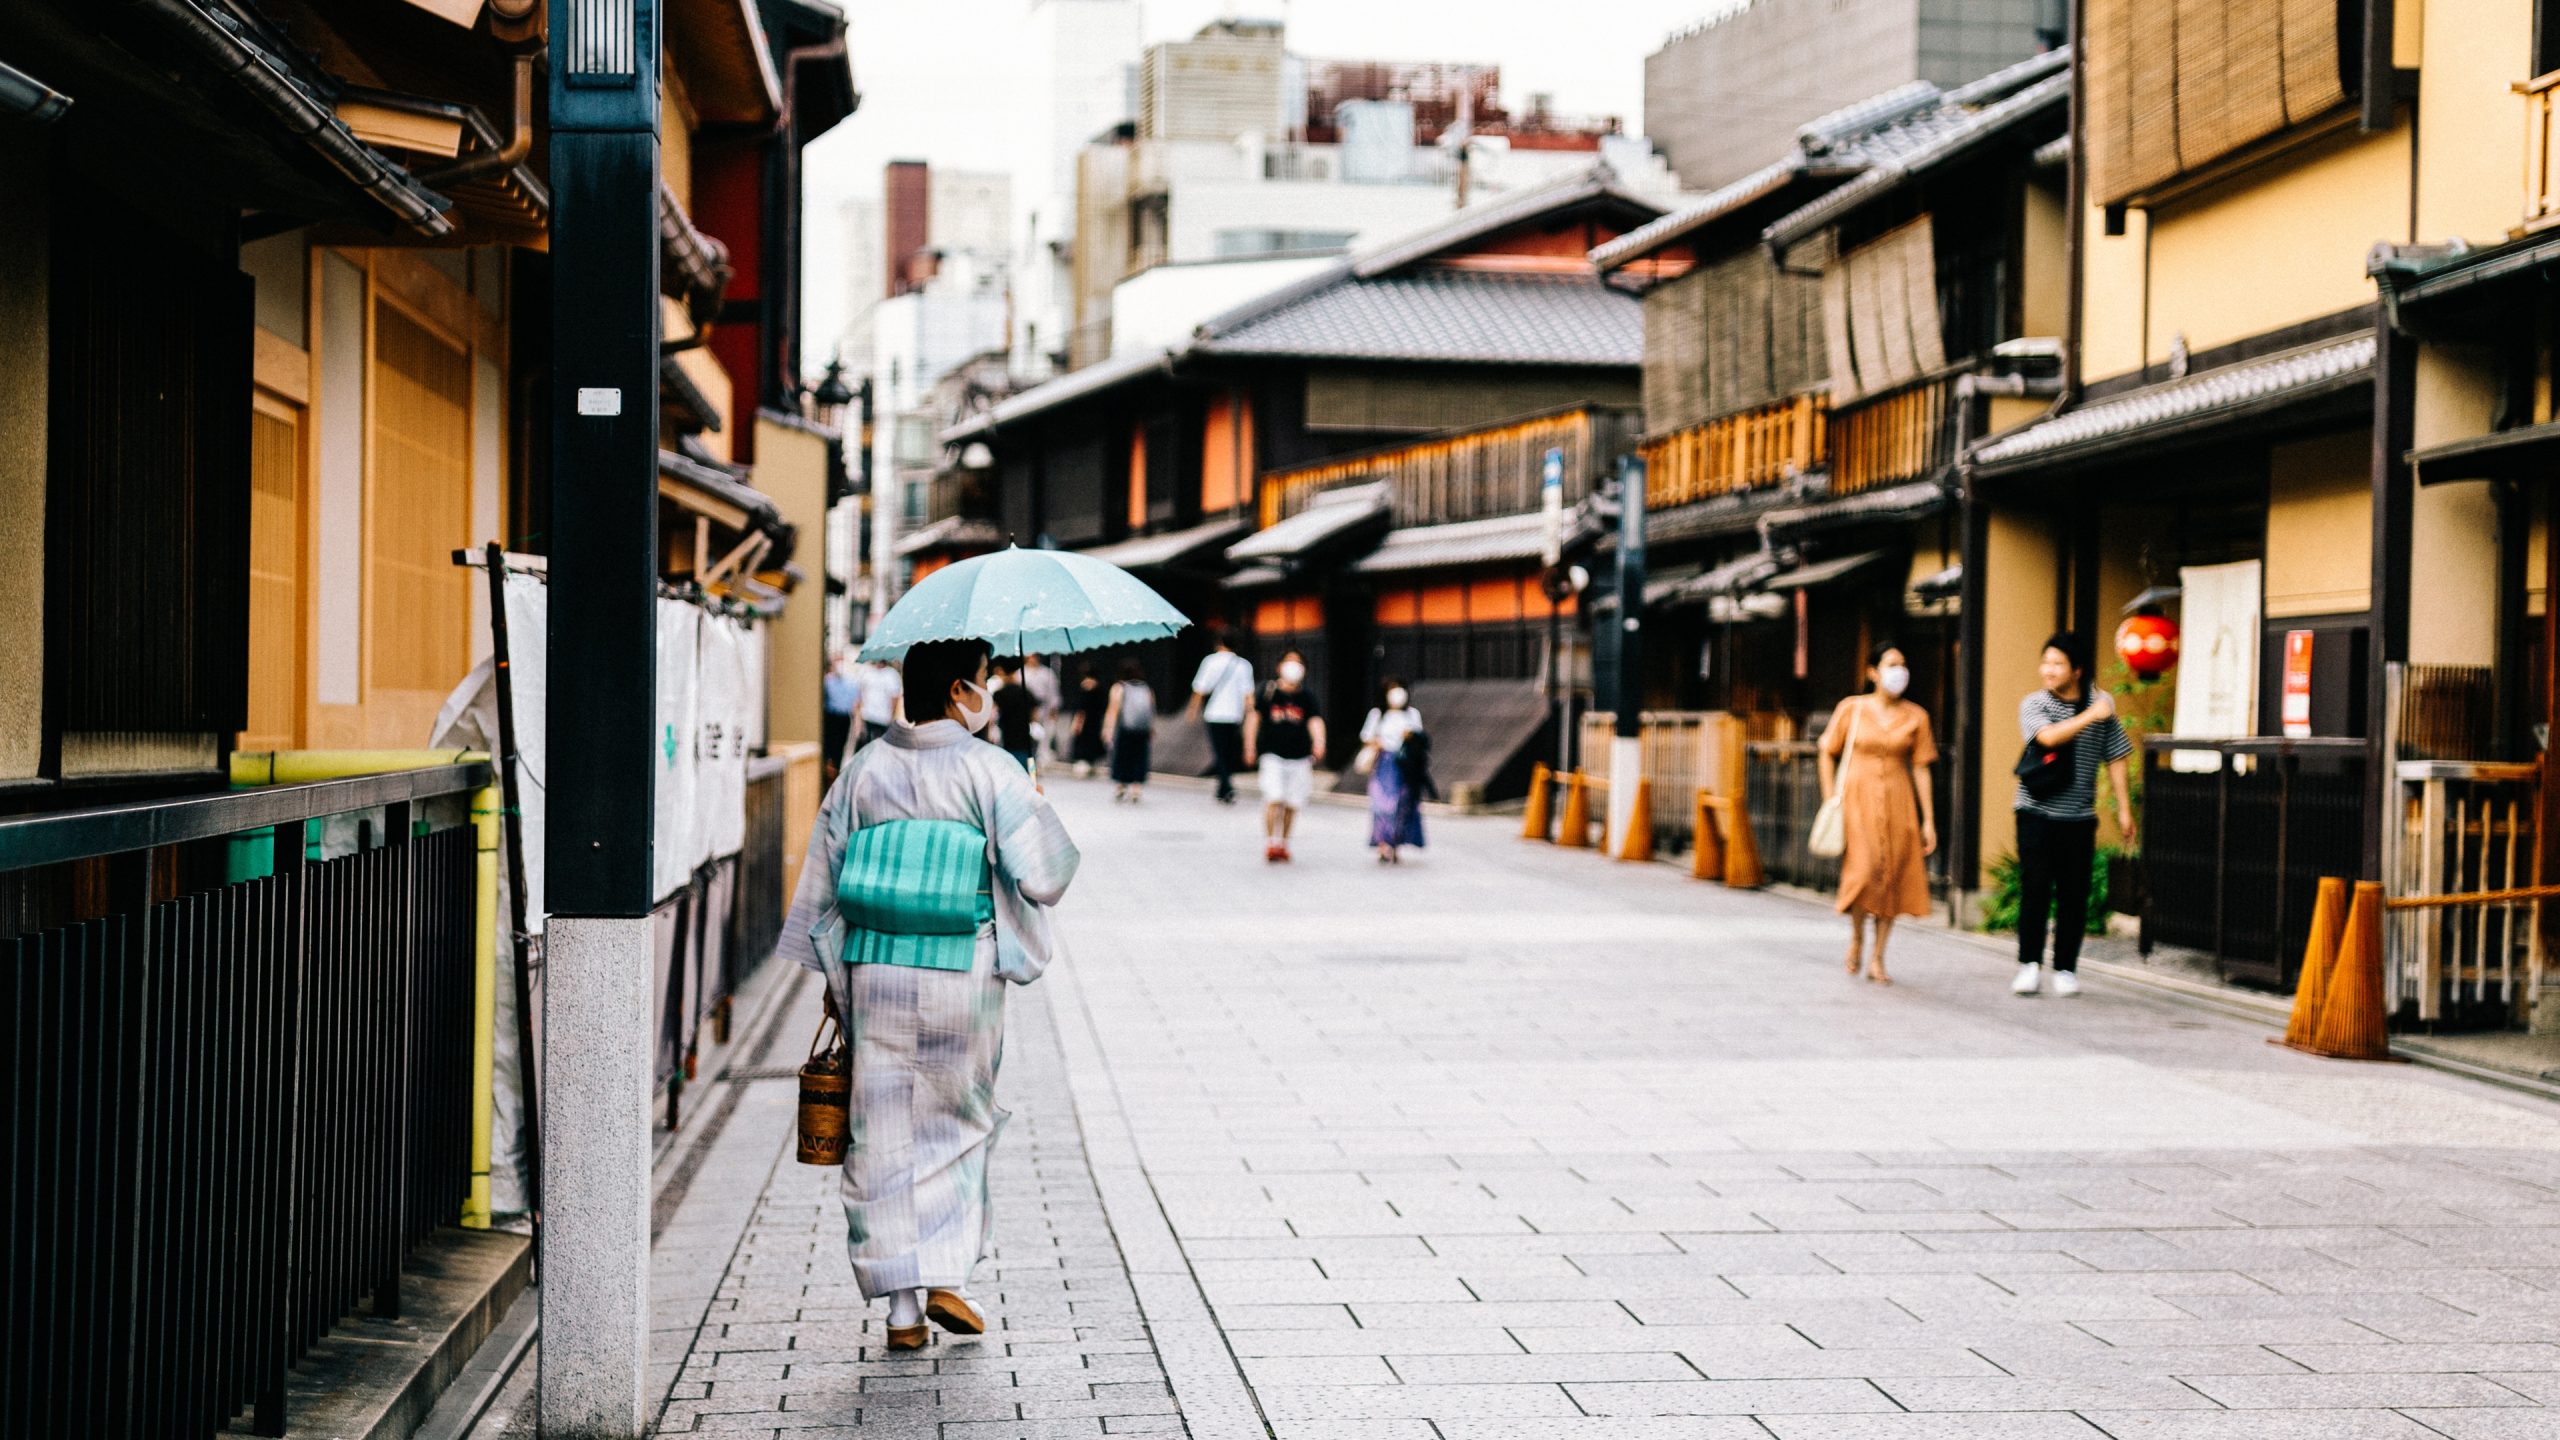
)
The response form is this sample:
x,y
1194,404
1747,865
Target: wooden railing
x,y
1905,433
2541,185
1746,450
1471,474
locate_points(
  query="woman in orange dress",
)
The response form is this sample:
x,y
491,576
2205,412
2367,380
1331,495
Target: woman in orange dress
x,y
1888,825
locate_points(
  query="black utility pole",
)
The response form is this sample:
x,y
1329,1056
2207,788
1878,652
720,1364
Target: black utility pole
x,y
602,662
1626,752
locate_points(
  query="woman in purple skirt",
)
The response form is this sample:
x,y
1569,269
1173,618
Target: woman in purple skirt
x,y
1395,796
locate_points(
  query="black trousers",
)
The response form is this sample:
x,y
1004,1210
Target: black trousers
x,y
837,729
2053,879
1226,750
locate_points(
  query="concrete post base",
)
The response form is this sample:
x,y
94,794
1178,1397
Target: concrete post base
x,y
1626,766
595,1172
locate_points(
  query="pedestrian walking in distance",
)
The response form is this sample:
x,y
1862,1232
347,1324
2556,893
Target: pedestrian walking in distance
x,y
842,692
930,874
1130,720
878,705
1221,692
1017,729
1875,756
1092,745
1283,734
2070,731
1395,791
1043,683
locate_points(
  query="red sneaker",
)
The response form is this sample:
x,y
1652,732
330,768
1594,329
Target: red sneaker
x,y
1274,853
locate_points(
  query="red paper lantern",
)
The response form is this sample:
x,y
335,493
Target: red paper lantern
x,y
2148,644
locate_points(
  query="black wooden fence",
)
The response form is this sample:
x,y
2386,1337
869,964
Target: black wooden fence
x,y
2234,855
233,1106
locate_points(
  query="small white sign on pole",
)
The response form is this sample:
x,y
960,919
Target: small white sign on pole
x,y
1551,503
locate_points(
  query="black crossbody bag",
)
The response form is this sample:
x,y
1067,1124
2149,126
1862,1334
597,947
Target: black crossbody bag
x,y
2047,770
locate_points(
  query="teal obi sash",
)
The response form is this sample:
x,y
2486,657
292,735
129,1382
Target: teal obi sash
x,y
915,892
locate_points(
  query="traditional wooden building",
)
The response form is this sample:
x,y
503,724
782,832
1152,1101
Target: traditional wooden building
x,y
1429,350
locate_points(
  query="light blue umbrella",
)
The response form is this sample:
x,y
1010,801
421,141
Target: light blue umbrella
x,y
1050,602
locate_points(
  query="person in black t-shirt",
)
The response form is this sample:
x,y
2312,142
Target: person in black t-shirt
x,y
1283,733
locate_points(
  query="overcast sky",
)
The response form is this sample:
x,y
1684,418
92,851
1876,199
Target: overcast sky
x,y
933,87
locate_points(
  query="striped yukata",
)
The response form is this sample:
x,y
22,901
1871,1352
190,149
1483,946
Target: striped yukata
x,y
926,1043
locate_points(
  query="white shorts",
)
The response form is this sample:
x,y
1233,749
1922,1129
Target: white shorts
x,y
1287,782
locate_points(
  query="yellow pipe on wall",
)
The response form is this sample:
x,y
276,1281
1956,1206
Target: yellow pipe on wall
x,y
296,767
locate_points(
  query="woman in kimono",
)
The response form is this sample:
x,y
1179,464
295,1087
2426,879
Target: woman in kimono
x,y
927,890
1395,791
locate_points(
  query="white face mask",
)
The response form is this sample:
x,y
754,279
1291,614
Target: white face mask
x,y
1396,698
977,717
1291,672
1893,679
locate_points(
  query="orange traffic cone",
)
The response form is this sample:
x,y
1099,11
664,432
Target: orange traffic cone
x,y
2351,1014
1574,832
1637,843
1533,821
1706,848
2328,926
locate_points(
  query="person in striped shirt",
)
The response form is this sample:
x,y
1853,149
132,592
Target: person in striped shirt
x,y
2058,834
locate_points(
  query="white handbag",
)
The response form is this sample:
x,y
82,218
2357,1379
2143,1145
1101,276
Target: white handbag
x,y
1829,836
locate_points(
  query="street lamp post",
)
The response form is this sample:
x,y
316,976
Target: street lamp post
x,y
602,657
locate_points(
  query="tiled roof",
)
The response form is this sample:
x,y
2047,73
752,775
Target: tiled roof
x,y
1325,517
1910,501
952,532
1904,122
1172,548
1599,182
1464,316
1468,542
1103,375
2235,391
1910,151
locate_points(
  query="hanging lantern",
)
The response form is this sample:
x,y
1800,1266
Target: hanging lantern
x,y
2148,644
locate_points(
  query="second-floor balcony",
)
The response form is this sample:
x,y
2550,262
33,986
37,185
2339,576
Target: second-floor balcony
x,y
1903,433
1763,446
2541,173
1472,474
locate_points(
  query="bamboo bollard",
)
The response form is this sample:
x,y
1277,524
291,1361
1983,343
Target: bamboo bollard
x,y
1637,843
2319,958
2352,1020
1574,831
1533,821
1741,848
1706,847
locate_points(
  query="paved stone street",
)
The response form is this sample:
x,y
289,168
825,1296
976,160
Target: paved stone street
x,y
1507,1142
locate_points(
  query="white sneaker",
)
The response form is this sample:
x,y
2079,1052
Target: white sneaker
x,y
2065,984
2025,984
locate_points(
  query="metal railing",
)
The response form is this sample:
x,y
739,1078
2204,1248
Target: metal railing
x,y
1684,751
2234,847
2541,180
1785,793
2465,828
234,1105
1747,450
1904,433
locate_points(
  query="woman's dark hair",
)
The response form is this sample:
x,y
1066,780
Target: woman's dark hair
x,y
2073,648
931,670
1133,672
1875,656
1392,682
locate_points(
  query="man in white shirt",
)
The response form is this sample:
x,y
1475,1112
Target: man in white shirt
x,y
1043,683
1221,692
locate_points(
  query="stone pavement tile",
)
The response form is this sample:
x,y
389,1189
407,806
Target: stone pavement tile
x,y
1392,1402
2265,1425
2380,1392
1767,1363
1872,1309
1731,1397
2030,1425
1392,1315
1334,1429
2491,1424
2542,1385
1610,1427
2148,1359
1320,1370
1291,1317
2477,1357
1274,1344
2068,1392
1519,1369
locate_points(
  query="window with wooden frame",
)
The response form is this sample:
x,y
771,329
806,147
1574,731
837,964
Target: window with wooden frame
x,y
2175,85
1880,312
417,631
